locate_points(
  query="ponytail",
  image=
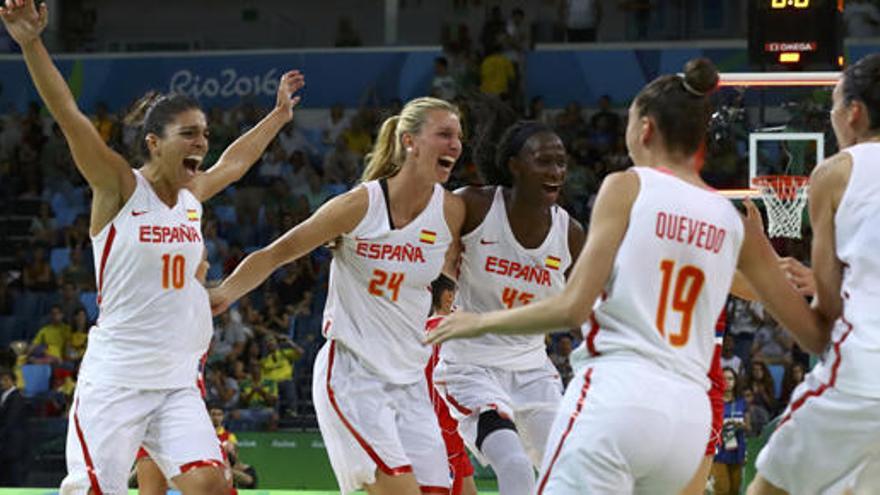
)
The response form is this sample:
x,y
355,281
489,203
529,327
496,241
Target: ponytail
x,y
386,157
388,154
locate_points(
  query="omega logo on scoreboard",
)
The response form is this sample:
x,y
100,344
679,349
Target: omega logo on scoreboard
x,y
800,34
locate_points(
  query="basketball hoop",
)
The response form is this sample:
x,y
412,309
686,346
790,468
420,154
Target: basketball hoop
x,y
785,197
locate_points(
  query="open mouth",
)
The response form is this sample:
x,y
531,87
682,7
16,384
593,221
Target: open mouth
x,y
191,163
552,188
446,162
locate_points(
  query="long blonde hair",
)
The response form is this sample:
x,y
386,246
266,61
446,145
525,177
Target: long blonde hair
x,y
388,154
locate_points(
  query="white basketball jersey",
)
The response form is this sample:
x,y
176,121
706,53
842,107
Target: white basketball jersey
x,y
379,294
853,363
154,320
497,272
670,278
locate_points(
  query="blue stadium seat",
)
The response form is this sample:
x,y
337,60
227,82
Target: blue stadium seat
x,y
777,371
225,213
7,330
89,301
36,378
59,258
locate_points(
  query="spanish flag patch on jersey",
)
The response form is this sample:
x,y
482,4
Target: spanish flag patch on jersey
x,y
427,236
192,215
552,262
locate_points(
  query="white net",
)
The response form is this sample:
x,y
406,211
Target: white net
x,y
785,197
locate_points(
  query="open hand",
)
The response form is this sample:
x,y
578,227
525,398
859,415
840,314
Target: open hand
x,y
23,20
458,325
291,82
753,215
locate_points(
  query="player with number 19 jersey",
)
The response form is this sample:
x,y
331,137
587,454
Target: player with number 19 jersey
x,y
148,295
670,279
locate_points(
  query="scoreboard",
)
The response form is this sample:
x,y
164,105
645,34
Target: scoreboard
x,y
796,34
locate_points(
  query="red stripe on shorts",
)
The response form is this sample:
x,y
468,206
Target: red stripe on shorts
x,y
90,466
189,466
434,489
363,443
104,255
455,404
795,405
574,415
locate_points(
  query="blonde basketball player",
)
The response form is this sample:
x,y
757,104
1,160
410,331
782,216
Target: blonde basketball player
x,y
369,388
154,314
658,262
828,440
517,247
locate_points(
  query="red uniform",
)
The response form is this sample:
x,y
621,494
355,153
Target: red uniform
x,y
716,393
459,463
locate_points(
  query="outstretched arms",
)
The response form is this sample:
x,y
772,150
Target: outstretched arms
x,y
247,149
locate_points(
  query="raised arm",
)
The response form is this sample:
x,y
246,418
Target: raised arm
x,y
106,171
238,158
334,218
573,305
758,264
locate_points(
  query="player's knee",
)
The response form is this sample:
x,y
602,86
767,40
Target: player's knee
x,y
490,422
206,480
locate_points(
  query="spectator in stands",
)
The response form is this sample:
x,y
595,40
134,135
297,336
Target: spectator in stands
x,y
443,85
758,414
43,226
497,74
341,165
50,344
317,193
292,138
731,456
794,375
728,358
6,302
760,382
221,388
243,475
77,236
14,456
559,358
570,122
537,112
230,336
772,344
37,274
493,31
605,124
105,122
275,314
259,397
337,122
77,272
581,19
274,164
358,137
79,337
277,365
70,300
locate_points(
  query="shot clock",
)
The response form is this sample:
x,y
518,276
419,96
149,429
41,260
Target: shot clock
x,y
796,34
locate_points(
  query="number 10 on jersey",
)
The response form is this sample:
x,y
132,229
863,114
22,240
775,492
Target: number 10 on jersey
x,y
173,270
689,282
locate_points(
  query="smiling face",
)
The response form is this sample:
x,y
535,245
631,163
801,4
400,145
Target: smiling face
x,y
180,149
539,167
437,146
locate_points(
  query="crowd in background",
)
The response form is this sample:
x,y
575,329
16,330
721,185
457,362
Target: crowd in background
x,y
259,366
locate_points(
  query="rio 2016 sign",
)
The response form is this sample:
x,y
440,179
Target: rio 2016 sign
x,y
227,84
